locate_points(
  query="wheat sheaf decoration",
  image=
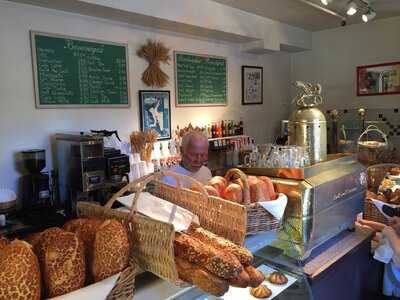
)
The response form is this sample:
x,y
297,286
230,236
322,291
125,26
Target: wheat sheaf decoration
x,y
155,53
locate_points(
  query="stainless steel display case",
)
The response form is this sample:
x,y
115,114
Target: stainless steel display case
x,y
324,200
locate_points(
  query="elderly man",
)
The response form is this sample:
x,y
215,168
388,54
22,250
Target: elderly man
x,y
194,151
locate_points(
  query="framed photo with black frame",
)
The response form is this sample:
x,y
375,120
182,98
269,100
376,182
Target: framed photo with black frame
x,y
155,112
252,85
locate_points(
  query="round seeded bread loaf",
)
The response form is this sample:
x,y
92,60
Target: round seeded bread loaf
x,y
19,272
41,240
85,229
3,242
63,264
111,250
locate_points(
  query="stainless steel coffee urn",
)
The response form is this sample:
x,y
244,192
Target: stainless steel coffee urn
x,y
307,125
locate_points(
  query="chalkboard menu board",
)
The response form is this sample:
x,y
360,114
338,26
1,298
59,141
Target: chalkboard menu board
x,y
75,72
200,80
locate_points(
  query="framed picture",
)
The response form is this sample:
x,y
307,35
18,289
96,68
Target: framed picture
x,y
252,85
382,79
155,112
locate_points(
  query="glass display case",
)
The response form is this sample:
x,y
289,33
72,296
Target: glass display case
x,y
267,259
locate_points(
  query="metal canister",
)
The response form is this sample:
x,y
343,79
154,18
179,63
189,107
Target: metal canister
x,y
307,125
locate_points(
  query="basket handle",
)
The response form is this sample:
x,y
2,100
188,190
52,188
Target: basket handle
x,y
372,128
243,177
140,184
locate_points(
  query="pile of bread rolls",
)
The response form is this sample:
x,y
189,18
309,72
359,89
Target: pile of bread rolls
x,y
213,263
231,188
57,261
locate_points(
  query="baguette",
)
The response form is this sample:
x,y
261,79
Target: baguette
x,y
244,255
199,277
256,276
242,280
217,262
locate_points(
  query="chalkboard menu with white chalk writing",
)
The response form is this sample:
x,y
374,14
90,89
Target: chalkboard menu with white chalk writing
x,y
75,72
200,80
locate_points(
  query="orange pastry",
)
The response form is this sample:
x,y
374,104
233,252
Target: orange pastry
x,y
277,278
261,291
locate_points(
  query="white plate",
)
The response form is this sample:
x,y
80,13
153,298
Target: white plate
x,y
235,293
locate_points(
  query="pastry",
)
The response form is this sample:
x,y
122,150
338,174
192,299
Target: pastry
x,y
201,278
19,272
111,250
395,171
387,184
256,276
261,291
220,263
277,278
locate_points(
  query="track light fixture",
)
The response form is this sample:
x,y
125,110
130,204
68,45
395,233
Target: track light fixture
x,y
326,2
368,15
351,8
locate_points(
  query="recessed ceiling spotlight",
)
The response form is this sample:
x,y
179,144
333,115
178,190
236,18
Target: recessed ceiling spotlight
x,y
351,8
326,2
368,15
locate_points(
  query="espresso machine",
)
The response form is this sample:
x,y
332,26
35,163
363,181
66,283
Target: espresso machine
x,y
325,197
87,170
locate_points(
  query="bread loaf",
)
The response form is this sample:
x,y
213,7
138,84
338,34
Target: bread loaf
x,y
242,280
19,272
217,262
199,277
85,229
111,250
3,242
74,224
244,255
63,264
34,239
256,276
41,241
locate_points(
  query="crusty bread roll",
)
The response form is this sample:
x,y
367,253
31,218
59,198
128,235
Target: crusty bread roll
x,y
199,277
256,276
242,280
19,272
217,262
244,255
85,229
34,239
111,250
3,242
74,224
63,264
41,241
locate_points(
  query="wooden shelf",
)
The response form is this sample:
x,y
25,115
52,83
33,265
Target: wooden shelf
x,y
228,137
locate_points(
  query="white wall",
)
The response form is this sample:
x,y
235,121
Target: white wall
x,y
22,126
335,55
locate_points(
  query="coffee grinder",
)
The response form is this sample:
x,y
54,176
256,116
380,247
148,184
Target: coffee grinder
x,y
35,184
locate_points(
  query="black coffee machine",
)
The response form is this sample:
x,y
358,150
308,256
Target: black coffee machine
x,y
35,191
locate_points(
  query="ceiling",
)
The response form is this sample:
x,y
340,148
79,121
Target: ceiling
x,y
299,13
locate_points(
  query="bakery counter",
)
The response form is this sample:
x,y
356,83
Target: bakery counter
x,y
343,268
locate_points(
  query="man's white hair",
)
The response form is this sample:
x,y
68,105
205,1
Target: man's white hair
x,y
192,135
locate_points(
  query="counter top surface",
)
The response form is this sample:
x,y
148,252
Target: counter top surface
x,y
149,286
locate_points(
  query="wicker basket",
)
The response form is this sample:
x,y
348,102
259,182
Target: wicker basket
x,y
372,213
220,216
228,219
258,219
151,240
370,152
376,173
